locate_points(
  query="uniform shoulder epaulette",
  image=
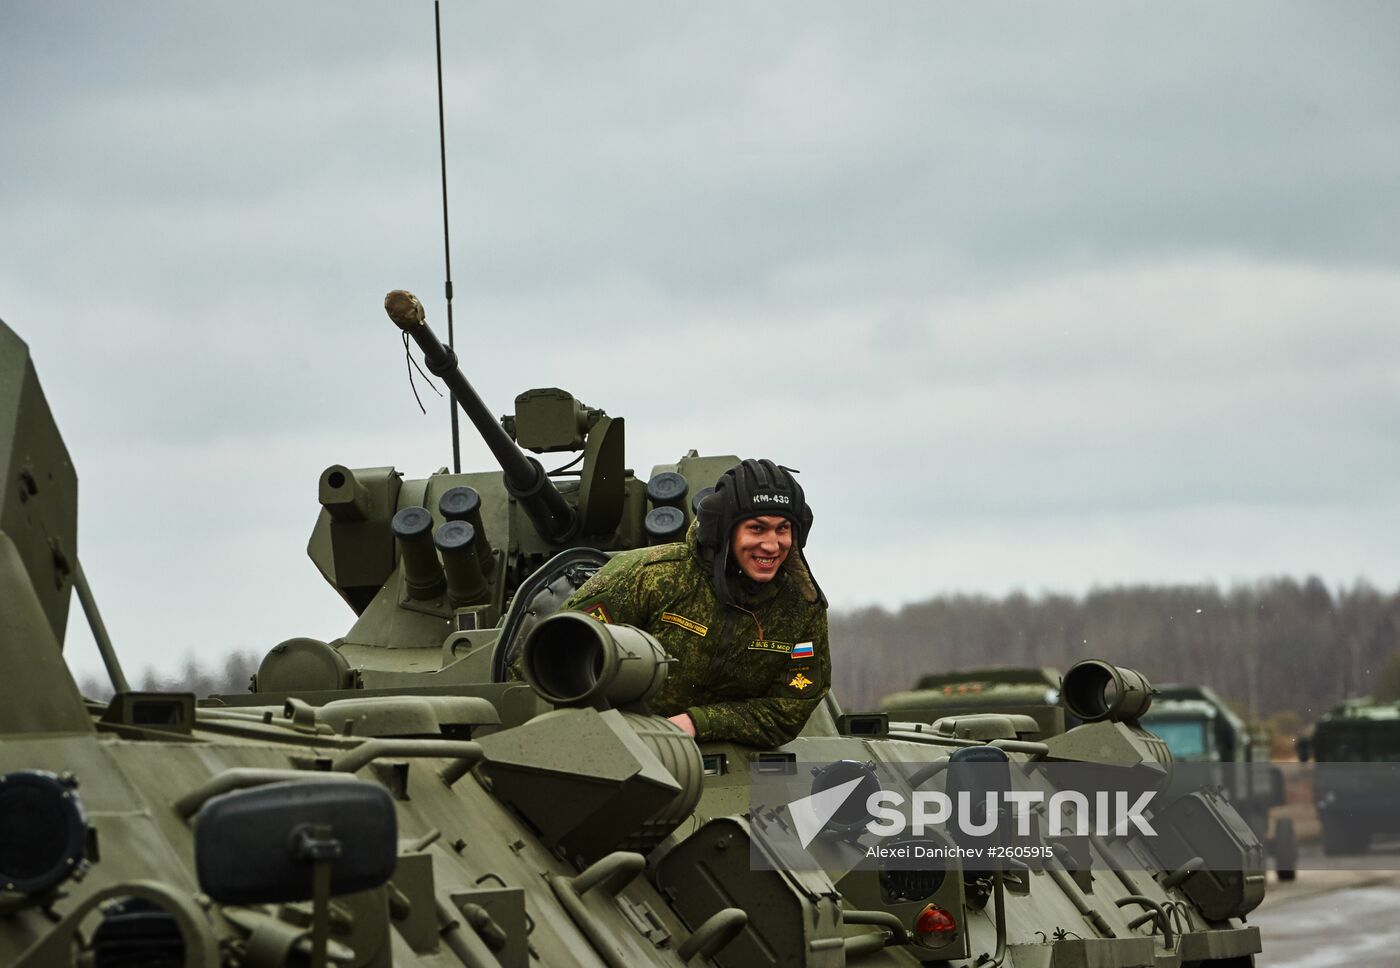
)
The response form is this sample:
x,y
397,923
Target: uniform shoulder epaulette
x,y
677,551
802,581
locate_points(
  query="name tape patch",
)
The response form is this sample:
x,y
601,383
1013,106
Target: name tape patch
x,y
685,623
767,645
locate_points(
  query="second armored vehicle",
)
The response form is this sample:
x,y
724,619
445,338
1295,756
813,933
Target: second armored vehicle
x,y
1195,723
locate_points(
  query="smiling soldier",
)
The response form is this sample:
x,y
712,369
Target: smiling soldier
x,y
734,605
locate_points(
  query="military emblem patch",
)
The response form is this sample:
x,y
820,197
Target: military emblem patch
x,y
685,623
799,682
599,611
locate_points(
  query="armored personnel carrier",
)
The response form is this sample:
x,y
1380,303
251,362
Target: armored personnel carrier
x,y
1196,725
1355,804
1029,691
393,798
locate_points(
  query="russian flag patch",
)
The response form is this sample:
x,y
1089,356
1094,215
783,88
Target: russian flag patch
x,y
802,650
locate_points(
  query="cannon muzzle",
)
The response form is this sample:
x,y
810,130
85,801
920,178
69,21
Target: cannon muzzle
x,y
574,660
525,478
1095,690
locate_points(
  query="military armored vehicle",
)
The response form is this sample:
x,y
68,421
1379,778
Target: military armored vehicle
x,y
1199,727
1029,691
393,798
1355,805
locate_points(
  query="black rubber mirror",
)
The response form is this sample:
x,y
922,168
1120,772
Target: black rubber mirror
x,y
261,846
980,776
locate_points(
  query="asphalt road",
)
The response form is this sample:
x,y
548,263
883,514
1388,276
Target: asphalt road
x,y
1331,918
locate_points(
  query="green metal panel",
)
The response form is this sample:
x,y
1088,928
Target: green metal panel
x,y
36,690
38,486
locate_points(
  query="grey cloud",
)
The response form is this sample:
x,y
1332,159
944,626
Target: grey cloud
x,y
1086,293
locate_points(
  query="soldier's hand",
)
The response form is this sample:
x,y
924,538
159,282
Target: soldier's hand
x,y
684,722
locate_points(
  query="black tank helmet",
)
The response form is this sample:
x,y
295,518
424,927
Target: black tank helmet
x,y
750,489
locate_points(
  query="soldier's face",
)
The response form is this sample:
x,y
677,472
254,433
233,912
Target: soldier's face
x,y
761,545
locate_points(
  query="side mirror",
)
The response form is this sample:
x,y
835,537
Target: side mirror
x,y
981,776
262,845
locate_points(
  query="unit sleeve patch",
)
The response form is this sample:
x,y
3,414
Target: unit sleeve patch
x,y
599,611
688,624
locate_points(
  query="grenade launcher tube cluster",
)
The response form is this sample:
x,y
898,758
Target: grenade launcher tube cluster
x,y
524,476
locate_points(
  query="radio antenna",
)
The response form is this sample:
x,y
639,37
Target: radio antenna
x,y
446,241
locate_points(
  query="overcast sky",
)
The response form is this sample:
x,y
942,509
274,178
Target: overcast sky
x,y
1037,297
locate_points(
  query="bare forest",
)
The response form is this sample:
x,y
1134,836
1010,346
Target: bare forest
x,y
229,674
1279,649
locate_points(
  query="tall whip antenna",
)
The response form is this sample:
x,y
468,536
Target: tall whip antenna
x,y
446,242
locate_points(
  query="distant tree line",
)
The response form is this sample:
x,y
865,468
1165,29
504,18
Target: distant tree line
x,y
227,674
1274,648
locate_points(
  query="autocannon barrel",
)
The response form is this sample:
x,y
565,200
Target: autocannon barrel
x,y
525,478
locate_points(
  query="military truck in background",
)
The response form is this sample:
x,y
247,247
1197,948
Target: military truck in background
x,y
1199,727
1354,804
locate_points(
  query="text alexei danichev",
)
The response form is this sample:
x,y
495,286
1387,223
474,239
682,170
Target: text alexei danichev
x,y
905,851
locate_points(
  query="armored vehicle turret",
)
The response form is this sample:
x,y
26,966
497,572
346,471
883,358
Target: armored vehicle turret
x,y
393,799
446,574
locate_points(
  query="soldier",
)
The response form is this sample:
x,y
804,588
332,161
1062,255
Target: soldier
x,y
736,608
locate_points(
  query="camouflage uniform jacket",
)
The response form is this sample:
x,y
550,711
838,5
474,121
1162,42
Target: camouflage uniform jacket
x,y
751,674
